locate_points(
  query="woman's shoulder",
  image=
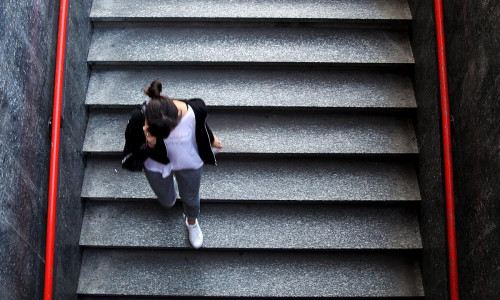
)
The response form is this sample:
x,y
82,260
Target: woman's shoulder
x,y
197,104
137,113
195,101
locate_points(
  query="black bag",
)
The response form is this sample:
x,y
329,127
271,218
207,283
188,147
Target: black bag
x,y
133,156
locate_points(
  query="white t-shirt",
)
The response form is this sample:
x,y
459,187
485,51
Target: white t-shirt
x,y
182,150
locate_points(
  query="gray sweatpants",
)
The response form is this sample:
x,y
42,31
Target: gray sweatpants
x,y
188,182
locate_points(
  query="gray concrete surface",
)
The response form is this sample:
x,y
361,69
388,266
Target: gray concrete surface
x,y
263,87
253,226
306,10
156,44
250,274
275,133
269,179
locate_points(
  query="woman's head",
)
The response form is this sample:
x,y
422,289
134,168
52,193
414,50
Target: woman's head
x,y
161,113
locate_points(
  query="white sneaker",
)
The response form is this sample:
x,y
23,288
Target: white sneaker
x,y
195,234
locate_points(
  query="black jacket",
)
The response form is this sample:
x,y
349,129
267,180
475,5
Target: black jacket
x,y
136,150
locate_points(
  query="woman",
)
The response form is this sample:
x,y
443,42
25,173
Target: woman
x,y
178,143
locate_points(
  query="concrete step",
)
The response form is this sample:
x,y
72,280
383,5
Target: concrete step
x,y
273,133
253,226
258,11
148,43
252,87
248,274
86,297
269,179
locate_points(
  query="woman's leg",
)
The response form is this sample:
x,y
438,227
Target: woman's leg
x,y
188,182
162,187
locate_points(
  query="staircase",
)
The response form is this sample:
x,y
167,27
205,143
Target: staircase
x,y
315,194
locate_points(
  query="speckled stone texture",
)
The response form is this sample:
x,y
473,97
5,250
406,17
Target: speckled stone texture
x,y
150,43
249,274
270,179
472,31
26,56
270,133
106,10
230,87
27,53
253,226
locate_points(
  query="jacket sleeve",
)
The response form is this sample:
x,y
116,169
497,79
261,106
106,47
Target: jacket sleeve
x,y
210,134
135,150
200,107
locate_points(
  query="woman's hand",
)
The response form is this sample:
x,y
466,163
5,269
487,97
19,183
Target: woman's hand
x,y
151,140
217,144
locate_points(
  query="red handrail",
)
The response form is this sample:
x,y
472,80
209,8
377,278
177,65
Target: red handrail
x,y
448,167
54,150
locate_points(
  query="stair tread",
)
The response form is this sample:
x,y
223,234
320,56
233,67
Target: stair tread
x,y
106,10
257,274
237,87
153,44
269,179
275,133
252,226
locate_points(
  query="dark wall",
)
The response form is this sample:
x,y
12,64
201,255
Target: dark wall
x,y
472,43
27,52
433,209
71,171
472,30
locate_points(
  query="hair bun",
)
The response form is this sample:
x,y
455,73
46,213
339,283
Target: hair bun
x,y
154,89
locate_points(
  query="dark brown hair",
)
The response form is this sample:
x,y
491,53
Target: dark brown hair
x,y
154,90
161,113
